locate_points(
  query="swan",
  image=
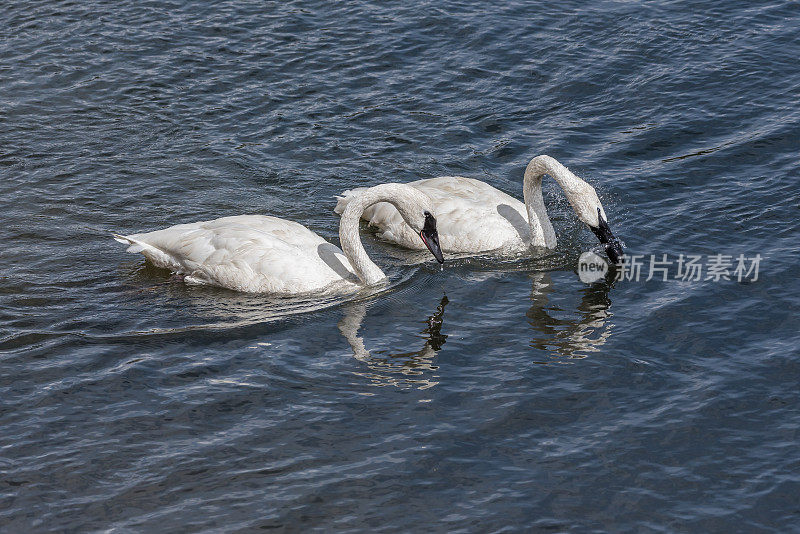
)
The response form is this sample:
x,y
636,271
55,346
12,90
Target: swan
x,y
263,254
474,217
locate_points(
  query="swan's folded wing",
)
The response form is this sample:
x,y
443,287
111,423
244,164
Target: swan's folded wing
x,y
472,216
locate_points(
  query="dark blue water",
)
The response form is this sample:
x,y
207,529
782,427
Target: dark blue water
x,y
489,397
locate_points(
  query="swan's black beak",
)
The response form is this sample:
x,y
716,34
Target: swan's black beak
x,y
611,244
430,237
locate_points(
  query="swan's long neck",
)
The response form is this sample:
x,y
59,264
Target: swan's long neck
x,y
542,231
403,197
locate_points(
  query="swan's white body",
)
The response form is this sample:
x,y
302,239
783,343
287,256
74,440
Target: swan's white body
x,y
474,217
255,253
263,254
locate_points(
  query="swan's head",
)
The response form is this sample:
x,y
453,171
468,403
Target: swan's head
x,y
417,210
603,232
581,195
430,236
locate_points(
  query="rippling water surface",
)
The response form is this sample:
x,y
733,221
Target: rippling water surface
x,y
487,397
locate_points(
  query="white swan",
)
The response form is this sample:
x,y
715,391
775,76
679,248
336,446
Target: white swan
x,y
258,253
474,217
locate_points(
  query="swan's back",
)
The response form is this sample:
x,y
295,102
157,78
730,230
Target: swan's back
x,y
255,253
463,189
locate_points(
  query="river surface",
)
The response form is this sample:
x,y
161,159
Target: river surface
x,y
491,396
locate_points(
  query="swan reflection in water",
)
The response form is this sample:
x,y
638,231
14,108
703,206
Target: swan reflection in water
x,y
563,334
565,339
399,369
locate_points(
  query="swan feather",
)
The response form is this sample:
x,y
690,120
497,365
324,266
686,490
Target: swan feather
x,y
471,215
254,253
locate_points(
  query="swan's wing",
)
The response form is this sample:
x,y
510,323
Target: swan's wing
x,y
247,252
474,217
471,216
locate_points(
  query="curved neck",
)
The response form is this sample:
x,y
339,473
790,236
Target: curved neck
x,y
403,197
541,228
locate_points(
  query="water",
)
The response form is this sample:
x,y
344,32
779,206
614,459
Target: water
x,y
490,396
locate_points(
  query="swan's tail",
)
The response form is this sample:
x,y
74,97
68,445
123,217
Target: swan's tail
x,y
157,256
344,199
135,246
